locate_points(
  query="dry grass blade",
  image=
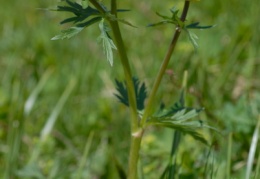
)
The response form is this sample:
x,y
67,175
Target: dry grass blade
x,y
252,151
57,109
32,98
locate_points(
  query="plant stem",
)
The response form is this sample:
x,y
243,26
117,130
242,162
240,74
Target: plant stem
x,y
127,73
164,65
136,131
134,154
125,63
228,169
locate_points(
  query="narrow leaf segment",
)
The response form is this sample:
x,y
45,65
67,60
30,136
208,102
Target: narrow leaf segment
x,y
140,91
174,19
107,42
179,117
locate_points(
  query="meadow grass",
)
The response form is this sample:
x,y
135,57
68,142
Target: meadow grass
x,y
70,83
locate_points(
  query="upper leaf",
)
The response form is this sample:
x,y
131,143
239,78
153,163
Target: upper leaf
x,y
81,13
174,19
84,11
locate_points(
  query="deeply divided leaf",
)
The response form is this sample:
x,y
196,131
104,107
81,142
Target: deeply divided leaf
x,y
80,13
68,33
186,128
174,19
140,92
180,118
193,39
197,26
107,42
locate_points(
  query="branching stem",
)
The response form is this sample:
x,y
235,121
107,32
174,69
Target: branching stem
x,y
137,129
164,65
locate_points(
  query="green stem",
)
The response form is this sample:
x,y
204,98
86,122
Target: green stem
x,y
125,63
136,131
127,70
229,152
164,65
136,139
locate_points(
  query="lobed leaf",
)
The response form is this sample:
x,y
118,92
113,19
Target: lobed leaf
x,y
114,18
174,19
185,116
81,12
122,96
68,33
160,23
186,128
90,22
193,39
179,116
196,25
107,42
140,92
74,4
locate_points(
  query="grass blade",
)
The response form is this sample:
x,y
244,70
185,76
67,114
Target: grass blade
x,y
252,151
32,98
51,120
257,169
56,111
83,160
15,129
228,168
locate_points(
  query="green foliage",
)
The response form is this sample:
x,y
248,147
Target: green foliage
x,y
179,117
140,91
176,108
84,3
196,25
223,77
31,171
81,14
240,118
68,33
106,41
193,37
174,19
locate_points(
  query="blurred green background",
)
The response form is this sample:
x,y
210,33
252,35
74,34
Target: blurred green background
x,y
70,83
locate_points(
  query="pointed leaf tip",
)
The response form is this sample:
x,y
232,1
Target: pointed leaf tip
x,y
68,33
